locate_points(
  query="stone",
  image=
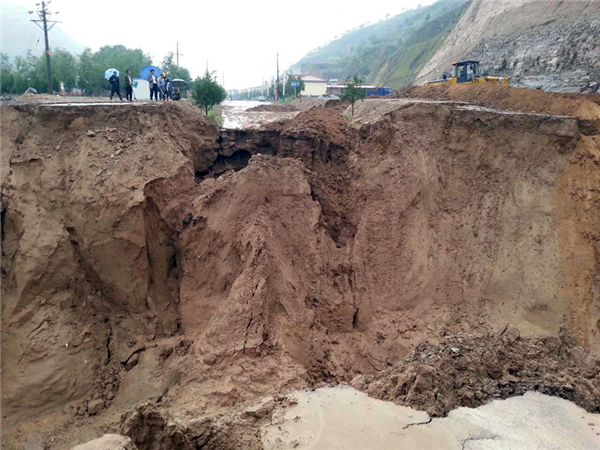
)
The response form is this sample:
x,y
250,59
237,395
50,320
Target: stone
x,y
90,133
95,406
424,380
511,334
132,361
262,409
108,442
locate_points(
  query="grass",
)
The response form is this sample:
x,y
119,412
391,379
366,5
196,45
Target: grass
x,y
216,115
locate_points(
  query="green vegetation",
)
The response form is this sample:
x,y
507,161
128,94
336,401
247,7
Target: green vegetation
x,y
353,92
216,115
270,94
391,52
83,73
173,70
207,92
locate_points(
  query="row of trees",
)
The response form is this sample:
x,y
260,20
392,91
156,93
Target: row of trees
x,y
83,73
270,93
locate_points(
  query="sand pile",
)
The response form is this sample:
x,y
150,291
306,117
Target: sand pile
x,y
150,258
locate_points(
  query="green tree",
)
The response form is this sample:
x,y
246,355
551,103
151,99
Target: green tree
x,y
353,92
89,72
27,75
64,70
207,92
120,58
173,70
290,90
7,76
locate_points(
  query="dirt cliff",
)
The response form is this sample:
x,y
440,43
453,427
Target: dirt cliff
x,y
553,45
150,257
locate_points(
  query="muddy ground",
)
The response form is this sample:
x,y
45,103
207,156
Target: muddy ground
x,y
157,270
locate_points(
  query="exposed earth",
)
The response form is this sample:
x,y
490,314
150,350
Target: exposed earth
x,y
174,283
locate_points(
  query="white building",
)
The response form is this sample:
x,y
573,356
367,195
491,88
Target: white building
x,y
313,86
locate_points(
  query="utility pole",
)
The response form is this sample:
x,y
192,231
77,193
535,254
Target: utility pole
x,y
46,25
277,68
178,54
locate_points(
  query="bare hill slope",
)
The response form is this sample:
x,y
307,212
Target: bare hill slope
x,y
551,44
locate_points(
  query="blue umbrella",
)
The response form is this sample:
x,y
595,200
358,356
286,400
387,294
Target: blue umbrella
x,y
109,73
145,72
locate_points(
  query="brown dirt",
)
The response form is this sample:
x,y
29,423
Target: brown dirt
x,y
584,106
273,108
470,369
197,271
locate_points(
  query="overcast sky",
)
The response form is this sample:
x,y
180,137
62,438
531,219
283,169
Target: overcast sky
x,y
238,37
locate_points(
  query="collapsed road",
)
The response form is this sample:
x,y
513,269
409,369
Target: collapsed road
x,y
160,276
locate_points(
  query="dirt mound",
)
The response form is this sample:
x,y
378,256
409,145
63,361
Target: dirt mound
x,y
469,369
150,258
274,108
584,106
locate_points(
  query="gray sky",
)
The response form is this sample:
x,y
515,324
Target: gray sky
x,y
239,38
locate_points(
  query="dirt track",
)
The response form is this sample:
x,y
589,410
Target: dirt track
x,y
199,270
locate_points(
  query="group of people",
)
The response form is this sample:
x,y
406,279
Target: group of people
x,y
115,86
159,86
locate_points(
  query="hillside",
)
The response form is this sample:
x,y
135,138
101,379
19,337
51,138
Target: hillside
x,y
552,45
390,52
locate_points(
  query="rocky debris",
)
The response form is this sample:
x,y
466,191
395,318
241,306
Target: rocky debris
x,y
551,45
437,379
90,133
108,442
562,56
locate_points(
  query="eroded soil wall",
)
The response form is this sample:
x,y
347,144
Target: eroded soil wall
x,y
149,257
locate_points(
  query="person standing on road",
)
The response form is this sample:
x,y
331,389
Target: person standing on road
x,y
129,86
168,90
114,85
153,83
161,85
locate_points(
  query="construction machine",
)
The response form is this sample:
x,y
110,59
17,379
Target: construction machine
x,y
466,72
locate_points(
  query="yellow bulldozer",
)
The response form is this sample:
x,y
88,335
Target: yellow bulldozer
x,y
466,72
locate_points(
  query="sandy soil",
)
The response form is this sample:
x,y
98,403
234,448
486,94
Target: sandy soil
x,y
583,106
343,418
160,276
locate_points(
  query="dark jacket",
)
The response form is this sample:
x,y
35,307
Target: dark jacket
x,y
128,80
114,82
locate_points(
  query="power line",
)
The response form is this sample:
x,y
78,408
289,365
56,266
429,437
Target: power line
x,y
178,54
46,25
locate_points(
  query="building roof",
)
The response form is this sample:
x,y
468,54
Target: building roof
x,y
313,78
